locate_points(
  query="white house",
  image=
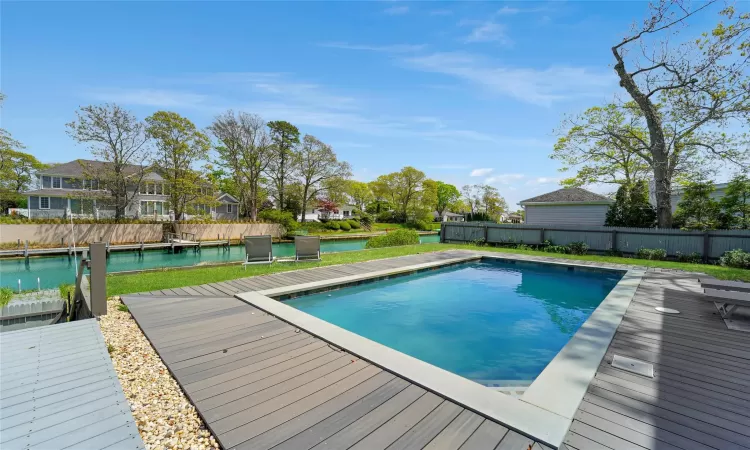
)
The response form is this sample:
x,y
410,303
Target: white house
x,y
567,206
313,213
448,217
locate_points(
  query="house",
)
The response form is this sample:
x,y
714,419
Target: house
x,y
65,190
514,218
447,217
567,206
678,191
314,213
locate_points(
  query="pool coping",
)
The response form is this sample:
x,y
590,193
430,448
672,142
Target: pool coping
x,y
544,412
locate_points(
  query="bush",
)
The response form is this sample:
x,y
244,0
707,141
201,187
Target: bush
x,y
556,249
385,217
393,239
611,252
344,225
656,254
523,247
692,258
736,258
354,224
333,225
284,218
419,225
578,248
5,295
365,221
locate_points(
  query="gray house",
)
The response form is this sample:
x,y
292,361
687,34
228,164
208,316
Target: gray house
x,y
66,191
568,206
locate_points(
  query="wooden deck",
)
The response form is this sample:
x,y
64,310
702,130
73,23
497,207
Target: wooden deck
x,y
260,383
58,390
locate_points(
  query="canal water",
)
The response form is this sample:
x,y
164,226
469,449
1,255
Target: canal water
x,y
54,270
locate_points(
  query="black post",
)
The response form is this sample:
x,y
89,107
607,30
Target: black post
x,y
706,245
541,236
486,228
614,240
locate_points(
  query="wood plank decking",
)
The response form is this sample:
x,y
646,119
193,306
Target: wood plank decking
x,y
58,389
260,383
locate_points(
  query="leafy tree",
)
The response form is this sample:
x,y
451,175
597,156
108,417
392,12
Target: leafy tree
x,y
118,138
736,202
401,189
317,164
697,210
494,203
284,139
631,207
327,207
359,194
179,145
447,196
244,151
686,91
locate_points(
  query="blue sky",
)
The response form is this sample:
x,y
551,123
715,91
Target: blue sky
x,y
468,92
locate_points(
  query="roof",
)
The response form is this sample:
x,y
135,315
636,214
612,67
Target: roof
x,y
73,193
229,197
76,168
569,195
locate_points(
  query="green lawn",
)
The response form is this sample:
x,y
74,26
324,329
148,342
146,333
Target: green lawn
x,y
171,278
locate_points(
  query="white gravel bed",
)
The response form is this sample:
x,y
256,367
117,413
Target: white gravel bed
x,y
164,416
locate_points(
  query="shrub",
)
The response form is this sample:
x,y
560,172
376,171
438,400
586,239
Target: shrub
x,y
5,295
478,242
578,248
611,252
393,239
313,226
419,225
385,217
284,218
354,224
523,247
344,225
556,249
692,258
656,254
736,258
365,221
65,289
333,225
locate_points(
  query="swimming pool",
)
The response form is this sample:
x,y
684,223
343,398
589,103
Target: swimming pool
x,y
54,270
491,321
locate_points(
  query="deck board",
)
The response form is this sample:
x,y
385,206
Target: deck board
x,y
58,389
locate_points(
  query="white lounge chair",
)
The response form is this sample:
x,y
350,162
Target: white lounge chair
x,y
258,250
729,300
725,285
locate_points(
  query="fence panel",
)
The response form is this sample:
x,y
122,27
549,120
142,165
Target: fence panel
x,y
501,235
725,240
595,239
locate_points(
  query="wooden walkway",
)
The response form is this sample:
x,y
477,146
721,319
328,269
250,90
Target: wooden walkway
x,y
58,389
271,386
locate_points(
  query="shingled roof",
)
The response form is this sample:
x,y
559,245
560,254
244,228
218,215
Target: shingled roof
x,y
569,195
77,167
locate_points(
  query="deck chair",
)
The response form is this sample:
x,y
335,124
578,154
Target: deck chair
x,y
258,250
724,285
729,300
307,248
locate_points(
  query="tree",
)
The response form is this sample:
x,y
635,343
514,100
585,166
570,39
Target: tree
x,y
245,151
327,207
17,170
472,197
118,138
317,164
494,203
736,202
631,207
447,195
401,189
359,194
685,92
284,139
179,145
697,210
601,143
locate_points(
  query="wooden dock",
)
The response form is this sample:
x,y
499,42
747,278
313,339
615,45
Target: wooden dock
x,y
699,397
58,389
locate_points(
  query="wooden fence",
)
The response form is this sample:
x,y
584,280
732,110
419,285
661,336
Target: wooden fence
x,y
709,244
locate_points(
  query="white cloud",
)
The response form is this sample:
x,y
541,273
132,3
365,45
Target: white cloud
x,y
507,10
396,10
487,32
481,172
544,180
531,85
504,178
392,48
441,12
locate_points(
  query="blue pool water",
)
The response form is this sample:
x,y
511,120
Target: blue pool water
x,y
487,321
54,270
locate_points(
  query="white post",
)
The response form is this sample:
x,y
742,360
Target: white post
x,y
19,285
38,284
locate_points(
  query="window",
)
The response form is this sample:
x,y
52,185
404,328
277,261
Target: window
x,y
346,213
56,183
158,189
229,207
46,181
142,189
150,208
43,202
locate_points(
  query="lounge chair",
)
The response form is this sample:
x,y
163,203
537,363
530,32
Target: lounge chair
x,y
258,250
729,300
307,248
725,285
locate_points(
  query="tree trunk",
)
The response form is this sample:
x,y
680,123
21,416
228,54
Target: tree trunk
x,y
304,205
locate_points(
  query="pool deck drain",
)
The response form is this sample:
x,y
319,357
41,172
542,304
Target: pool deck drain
x,y
701,373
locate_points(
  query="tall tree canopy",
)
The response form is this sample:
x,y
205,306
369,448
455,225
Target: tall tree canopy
x,y
631,207
736,202
359,194
179,146
447,196
284,139
697,210
686,90
317,164
401,189
244,150
118,138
